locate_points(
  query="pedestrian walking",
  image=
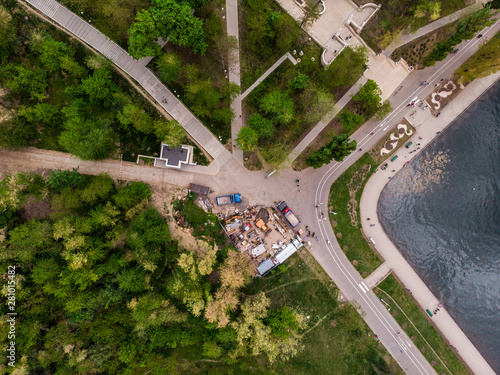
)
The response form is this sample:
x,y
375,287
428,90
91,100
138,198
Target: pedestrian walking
x,y
368,218
317,205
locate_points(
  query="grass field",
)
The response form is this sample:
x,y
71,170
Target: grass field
x,y
345,194
425,336
337,341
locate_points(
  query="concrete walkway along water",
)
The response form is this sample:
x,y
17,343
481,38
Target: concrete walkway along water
x,y
368,208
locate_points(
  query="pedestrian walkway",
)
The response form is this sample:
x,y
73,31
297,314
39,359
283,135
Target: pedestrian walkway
x,y
428,130
318,128
377,276
234,74
269,71
403,39
137,70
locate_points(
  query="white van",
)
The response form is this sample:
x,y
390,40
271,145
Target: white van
x,y
372,240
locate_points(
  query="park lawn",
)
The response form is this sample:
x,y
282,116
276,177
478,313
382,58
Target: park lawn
x,y
337,340
111,17
394,16
415,51
334,81
402,304
345,194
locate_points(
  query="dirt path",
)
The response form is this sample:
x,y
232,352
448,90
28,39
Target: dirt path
x,y
36,160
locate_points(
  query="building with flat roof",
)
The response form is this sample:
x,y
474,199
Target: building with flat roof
x,y
265,266
174,157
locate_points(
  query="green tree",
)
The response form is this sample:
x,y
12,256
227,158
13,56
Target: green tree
x,y
70,66
299,82
130,195
99,188
223,115
170,132
337,149
280,106
30,84
87,139
262,126
247,138
17,132
60,180
230,91
281,321
133,115
276,153
212,350
369,97
51,53
202,97
43,113
346,69
494,4
350,120
147,237
168,67
131,280
7,31
100,87
384,109
143,36
29,238
322,104
166,18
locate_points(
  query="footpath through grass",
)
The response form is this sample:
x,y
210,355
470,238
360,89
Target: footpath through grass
x,y
345,194
336,341
391,287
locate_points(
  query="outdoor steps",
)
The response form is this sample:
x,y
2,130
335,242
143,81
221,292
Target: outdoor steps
x,y
48,7
78,27
112,50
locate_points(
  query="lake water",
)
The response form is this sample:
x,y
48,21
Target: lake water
x,y
443,212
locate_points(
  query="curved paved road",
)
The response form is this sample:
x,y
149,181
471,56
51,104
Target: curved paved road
x,y
315,185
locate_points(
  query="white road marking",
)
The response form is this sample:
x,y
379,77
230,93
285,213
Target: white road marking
x,y
363,283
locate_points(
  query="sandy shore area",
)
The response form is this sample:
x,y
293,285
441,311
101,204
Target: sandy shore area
x,y
427,127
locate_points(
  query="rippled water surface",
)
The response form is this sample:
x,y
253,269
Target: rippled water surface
x,y
443,213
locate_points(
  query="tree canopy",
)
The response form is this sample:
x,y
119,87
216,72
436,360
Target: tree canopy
x,y
247,138
337,149
350,120
104,288
165,19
